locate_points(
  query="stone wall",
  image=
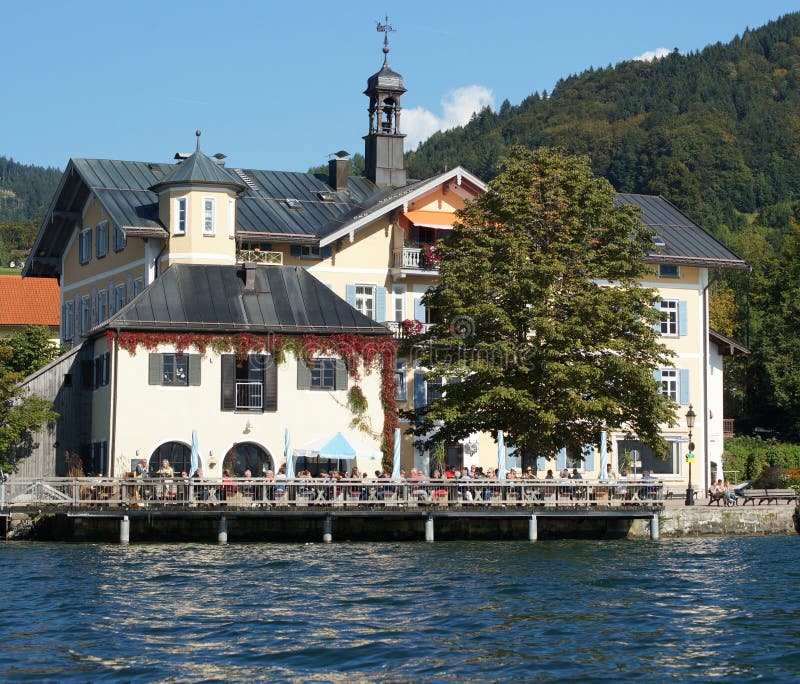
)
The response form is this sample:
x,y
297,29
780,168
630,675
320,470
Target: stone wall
x,y
701,521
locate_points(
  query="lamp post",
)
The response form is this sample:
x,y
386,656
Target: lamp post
x,y
690,416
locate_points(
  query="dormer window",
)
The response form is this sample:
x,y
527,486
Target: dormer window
x,y
180,216
208,216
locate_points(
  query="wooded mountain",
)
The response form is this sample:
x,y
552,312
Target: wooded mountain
x,y
716,131
25,190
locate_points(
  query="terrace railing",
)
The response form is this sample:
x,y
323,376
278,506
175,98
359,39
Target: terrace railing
x,y
106,492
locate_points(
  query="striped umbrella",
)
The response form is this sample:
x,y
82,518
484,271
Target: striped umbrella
x,y
603,455
287,452
396,455
501,456
195,462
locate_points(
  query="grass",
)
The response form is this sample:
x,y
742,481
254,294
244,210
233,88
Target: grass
x,y
9,271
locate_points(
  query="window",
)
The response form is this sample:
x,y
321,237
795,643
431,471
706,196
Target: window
x,y
98,459
669,383
310,252
180,216
249,384
66,322
208,216
669,322
175,370
434,390
323,374
399,295
664,464
102,239
365,300
85,312
400,372
85,246
138,286
119,297
669,271
119,239
99,371
102,305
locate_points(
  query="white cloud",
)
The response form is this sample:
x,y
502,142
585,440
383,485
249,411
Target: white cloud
x,y
457,107
651,55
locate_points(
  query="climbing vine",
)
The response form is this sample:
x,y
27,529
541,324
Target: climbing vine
x,y
369,352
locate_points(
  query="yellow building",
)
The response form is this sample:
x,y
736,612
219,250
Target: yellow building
x,y
116,228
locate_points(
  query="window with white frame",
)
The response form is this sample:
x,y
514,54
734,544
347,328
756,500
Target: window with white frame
x,y
176,369
119,297
102,305
400,374
208,216
180,216
85,313
669,383
85,246
119,239
365,300
101,239
399,296
323,374
434,389
66,322
669,317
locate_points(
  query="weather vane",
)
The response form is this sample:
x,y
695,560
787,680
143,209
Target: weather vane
x,y
385,28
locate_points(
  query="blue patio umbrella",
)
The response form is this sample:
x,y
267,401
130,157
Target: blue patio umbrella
x,y
195,462
501,456
287,452
338,447
396,455
603,455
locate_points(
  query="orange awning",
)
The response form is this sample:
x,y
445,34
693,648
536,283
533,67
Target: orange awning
x,y
433,219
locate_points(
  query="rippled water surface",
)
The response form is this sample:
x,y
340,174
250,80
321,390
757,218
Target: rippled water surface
x,y
706,608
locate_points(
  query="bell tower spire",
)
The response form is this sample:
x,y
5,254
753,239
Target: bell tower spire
x,y
383,145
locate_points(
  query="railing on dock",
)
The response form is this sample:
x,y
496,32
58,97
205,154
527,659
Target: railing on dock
x,y
105,492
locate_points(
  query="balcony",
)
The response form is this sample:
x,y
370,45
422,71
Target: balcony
x,y
416,260
406,330
258,256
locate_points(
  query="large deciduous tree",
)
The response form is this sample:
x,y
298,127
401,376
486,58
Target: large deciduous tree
x,y
546,333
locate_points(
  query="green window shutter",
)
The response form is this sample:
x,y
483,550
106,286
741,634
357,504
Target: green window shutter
x,y
303,375
270,370
156,370
228,365
341,374
194,369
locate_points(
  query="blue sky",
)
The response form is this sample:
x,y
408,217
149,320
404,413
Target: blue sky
x,y
278,85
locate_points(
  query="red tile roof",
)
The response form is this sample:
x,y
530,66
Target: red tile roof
x,y
28,301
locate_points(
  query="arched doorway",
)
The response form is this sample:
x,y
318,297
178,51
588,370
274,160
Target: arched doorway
x,y
178,454
247,456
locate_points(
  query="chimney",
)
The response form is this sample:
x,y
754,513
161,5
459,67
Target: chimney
x,y
249,276
338,171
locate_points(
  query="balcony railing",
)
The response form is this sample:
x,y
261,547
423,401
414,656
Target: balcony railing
x,y
249,395
402,332
415,259
257,256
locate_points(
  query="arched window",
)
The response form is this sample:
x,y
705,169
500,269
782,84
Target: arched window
x,y
178,454
247,456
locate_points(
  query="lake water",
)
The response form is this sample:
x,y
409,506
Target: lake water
x,y
484,611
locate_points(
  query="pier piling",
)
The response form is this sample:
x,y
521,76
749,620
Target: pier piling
x,y
429,529
654,534
222,535
533,529
124,530
327,530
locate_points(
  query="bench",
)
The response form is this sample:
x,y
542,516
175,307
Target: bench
x,y
721,496
768,495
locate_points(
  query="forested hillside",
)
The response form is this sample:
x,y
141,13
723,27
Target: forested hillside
x,y
25,190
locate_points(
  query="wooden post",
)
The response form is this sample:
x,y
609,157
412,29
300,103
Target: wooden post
x,y
327,530
124,530
533,529
222,535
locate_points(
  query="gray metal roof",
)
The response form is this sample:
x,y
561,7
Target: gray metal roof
x,y
386,79
199,297
684,241
198,169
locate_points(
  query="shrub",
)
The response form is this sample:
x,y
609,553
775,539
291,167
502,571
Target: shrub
x,y
751,455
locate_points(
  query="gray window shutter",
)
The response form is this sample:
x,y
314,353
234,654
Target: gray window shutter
x,y
541,464
588,457
341,374
657,376
270,371
683,386
194,369
228,365
93,304
561,459
380,303
350,294
683,324
303,375
156,371
420,390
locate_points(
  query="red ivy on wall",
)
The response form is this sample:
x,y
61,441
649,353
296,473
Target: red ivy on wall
x,y
373,352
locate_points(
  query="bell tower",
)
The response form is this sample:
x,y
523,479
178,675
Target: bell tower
x,y
383,145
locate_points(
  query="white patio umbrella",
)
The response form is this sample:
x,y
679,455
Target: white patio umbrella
x,y
396,455
501,456
195,462
287,452
603,456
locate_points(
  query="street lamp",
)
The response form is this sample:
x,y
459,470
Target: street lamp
x,y
690,416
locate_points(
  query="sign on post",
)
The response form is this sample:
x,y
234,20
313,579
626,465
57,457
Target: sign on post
x,y
690,457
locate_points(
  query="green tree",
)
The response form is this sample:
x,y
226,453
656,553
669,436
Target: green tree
x,y
532,343
32,349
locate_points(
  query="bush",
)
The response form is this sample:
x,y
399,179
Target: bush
x,y
772,478
751,455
